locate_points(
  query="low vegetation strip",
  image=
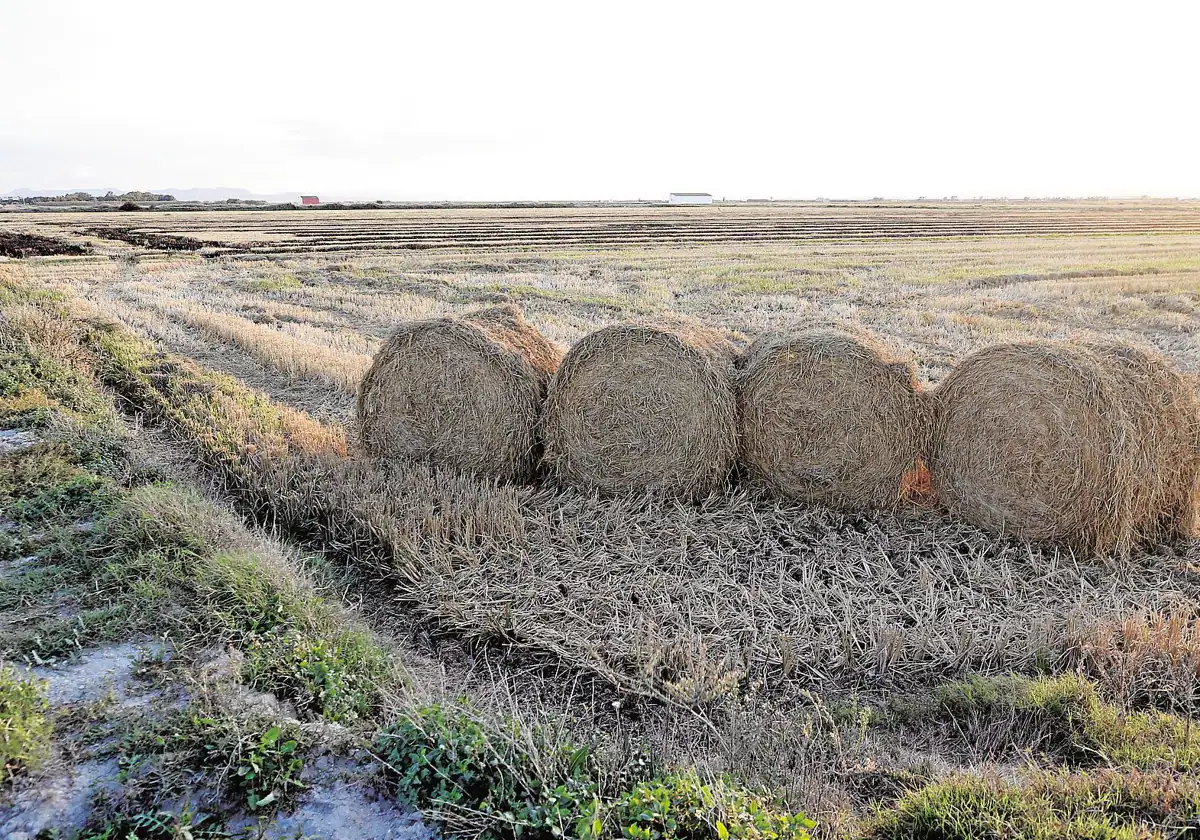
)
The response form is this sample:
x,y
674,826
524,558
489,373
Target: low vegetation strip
x,y
95,533
153,547
518,784
1066,716
289,353
1049,806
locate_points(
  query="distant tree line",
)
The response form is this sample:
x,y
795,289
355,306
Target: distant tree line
x,y
83,197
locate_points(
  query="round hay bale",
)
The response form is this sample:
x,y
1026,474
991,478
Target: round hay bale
x,y
463,393
637,407
830,417
1164,448
1028,440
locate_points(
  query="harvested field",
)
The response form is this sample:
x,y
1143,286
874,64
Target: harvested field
x,y
332,231
151,240
857,665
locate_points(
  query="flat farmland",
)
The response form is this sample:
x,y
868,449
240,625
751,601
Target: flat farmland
x,y
314,293
860,668
321,230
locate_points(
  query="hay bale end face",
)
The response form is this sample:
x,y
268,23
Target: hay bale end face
x,y
1027,442
644,407
830,417
1094,446
463,393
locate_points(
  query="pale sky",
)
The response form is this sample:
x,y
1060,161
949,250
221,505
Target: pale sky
x,y
614,99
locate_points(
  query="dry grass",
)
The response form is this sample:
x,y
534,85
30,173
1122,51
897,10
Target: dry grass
x,y
1151,657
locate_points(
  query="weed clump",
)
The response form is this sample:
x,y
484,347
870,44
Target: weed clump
x,y
1050,806
24,726
450,765
154,824
1067,715
257,761
682,807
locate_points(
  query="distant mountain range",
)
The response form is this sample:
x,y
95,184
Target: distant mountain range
x,y
181,193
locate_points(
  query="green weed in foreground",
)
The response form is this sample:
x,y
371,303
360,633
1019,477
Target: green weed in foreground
x,y
24,727
460,772
159,825
259,762
270,769
682,806
1067,713
1051,806
163,547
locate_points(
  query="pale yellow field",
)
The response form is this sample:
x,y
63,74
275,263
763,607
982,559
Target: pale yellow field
x,y
749,637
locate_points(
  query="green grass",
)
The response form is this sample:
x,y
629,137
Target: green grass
x,y
1050,806
163,546
158,558
521,782
24,725
1067,714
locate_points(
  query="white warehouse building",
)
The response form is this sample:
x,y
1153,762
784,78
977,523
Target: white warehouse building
x,y
691,198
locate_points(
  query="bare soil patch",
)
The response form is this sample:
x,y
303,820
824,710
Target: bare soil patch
x,y
157,241
22,245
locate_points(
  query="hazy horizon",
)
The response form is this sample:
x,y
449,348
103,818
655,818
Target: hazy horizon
x,y
183,194
537,101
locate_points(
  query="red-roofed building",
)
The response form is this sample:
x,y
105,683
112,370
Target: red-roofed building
x,y
309,199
